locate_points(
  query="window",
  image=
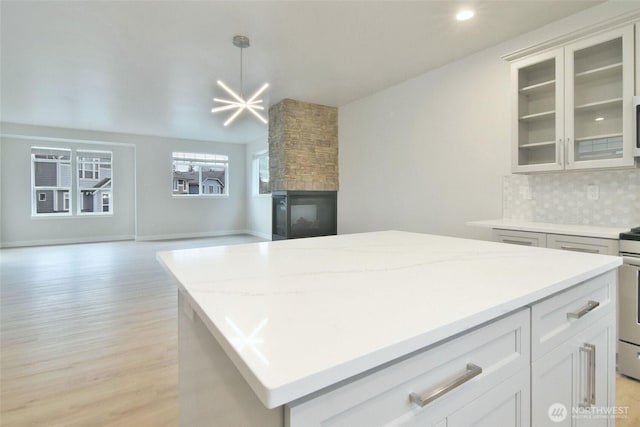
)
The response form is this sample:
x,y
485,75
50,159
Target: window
x,y
89,168
51,181
197,174
106,202
261,174
94,182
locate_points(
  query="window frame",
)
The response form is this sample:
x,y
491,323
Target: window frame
x,y
199,160
255,173
96,163
36,191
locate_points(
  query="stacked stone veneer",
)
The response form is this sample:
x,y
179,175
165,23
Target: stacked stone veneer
x,y
303,146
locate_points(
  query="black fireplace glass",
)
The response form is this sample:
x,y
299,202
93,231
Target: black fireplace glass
x,y
304,214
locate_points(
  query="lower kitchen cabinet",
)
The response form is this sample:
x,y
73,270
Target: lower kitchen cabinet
x,y
583,244
506,405
481,378
557,241
575,380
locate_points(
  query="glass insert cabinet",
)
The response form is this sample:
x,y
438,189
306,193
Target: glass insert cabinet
x,y
572,105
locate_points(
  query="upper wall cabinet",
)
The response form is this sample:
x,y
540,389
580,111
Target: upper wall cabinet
x,y
538,112
572,106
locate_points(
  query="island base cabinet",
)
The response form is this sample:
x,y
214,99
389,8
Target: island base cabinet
x,y
506,405
211,391
480,378
573,385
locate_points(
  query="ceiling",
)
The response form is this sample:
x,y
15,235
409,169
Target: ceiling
x,y
151,67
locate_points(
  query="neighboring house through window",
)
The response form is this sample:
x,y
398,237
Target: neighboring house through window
x,y
51,181
94,182
261,173
197,174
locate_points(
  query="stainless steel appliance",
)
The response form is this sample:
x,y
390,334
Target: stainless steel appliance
x,y
629,305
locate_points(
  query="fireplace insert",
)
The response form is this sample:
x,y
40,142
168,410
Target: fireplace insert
x,y
303,214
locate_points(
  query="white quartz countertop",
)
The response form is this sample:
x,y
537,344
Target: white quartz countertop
x,y
545,227
296,316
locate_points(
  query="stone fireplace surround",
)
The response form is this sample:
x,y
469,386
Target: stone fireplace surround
x,y
303,162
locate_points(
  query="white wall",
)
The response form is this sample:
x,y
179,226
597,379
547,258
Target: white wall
x,y
155,212
429,154
258,207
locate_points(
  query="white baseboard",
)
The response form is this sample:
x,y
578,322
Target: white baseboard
x,y
48,242
196,235
264,236
97,239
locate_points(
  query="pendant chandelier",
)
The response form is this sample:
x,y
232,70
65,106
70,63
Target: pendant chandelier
x,y
239,103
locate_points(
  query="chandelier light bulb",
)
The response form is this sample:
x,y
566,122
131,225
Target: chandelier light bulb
x,y
465,14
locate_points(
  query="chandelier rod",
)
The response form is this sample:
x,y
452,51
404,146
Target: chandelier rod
x,y
241,80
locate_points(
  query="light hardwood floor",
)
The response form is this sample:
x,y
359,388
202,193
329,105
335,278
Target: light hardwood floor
x,y
89,336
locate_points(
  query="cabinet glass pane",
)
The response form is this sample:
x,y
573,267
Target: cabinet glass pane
x,y
598,101
536,113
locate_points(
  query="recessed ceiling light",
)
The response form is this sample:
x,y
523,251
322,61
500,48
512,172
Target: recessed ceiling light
x,y
465,14
599,119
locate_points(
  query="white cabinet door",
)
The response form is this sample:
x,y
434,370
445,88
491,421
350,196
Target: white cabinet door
x,y
574,378
506,406
537,109
596,351
552,387
599,90
583,244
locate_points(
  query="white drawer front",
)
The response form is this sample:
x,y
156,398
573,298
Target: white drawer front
x,y
524,238
582,244
556,319
381,398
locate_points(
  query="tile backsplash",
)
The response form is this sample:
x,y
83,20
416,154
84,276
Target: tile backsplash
x,y
562,198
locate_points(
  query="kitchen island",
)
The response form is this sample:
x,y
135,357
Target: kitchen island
x,y
389,328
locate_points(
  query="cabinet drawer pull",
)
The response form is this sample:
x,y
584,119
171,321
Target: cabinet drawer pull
x,y
576,249
517,242
584,310
472,372
590,392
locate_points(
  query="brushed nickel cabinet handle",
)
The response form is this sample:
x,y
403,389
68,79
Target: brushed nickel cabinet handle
x,y
422,400
558,151
566,150
584,310
517,242
590,392
577,249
